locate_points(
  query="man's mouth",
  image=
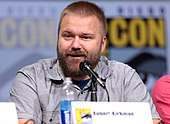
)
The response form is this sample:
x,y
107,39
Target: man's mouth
x,y
76,56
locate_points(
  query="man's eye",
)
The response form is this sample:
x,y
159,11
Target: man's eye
x,y
67,36
86,37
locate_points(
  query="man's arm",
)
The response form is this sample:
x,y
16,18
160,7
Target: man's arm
x,y
23,93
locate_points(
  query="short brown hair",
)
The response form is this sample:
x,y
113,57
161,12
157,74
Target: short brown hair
x,y
85,8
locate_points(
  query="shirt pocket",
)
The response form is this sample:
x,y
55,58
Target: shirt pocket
x,y
50,117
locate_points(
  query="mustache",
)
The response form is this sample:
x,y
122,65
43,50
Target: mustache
x,y
76,53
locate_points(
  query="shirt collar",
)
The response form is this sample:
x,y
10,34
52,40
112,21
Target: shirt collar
x,y
54,71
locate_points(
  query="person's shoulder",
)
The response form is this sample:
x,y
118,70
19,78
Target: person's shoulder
x,y
161,84
113,63
164,79
40,64
115,66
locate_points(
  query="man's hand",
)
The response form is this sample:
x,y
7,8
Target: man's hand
x,y
157,121
26,121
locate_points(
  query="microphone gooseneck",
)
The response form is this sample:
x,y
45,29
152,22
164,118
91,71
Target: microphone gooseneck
x,y
87,67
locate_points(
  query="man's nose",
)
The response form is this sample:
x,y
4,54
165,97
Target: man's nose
x,y
76,43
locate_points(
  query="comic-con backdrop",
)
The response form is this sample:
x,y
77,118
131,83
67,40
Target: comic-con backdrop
x,y
137,35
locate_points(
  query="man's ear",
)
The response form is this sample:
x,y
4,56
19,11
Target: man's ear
x,y
103,44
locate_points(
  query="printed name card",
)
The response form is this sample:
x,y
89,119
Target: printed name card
x,y
111,113
8,114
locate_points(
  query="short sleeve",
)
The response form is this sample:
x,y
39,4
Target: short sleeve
x,y
24,94
136,90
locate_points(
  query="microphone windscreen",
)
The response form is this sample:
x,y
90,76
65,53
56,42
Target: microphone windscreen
x,y
84,64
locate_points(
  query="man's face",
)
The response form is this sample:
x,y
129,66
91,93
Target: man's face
x,y
79,39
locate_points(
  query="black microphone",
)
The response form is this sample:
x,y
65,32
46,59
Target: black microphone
x,y
87,67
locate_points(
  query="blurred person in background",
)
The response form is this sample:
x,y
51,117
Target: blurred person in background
x,y
161,97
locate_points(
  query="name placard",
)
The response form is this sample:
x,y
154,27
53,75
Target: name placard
x,y
8,114
111,113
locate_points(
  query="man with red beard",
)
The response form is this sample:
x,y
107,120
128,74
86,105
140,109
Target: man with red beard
x,y
81,36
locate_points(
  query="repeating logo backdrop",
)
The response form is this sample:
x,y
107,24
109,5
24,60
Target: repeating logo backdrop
x,y
137,35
